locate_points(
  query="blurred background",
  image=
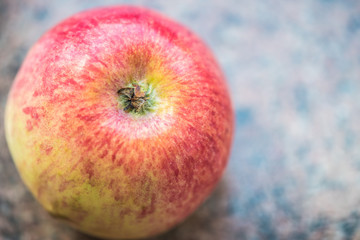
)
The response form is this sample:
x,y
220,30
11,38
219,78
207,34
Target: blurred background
x,y
293,68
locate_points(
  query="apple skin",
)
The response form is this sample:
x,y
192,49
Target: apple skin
x,y
104,171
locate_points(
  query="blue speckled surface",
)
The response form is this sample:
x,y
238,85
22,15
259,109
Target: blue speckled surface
x,y
293,68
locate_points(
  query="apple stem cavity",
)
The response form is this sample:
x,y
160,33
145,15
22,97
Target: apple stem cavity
x,y
137,98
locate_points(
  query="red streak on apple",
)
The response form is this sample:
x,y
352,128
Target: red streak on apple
x,y
106,171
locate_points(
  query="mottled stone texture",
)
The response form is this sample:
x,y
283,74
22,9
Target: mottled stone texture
x,y
293,68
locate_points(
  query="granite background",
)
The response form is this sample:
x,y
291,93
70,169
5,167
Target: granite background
x,y
293,68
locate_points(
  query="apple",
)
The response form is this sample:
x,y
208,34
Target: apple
x,y
120,122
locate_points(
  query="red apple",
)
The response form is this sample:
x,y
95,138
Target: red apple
x,y
120,122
